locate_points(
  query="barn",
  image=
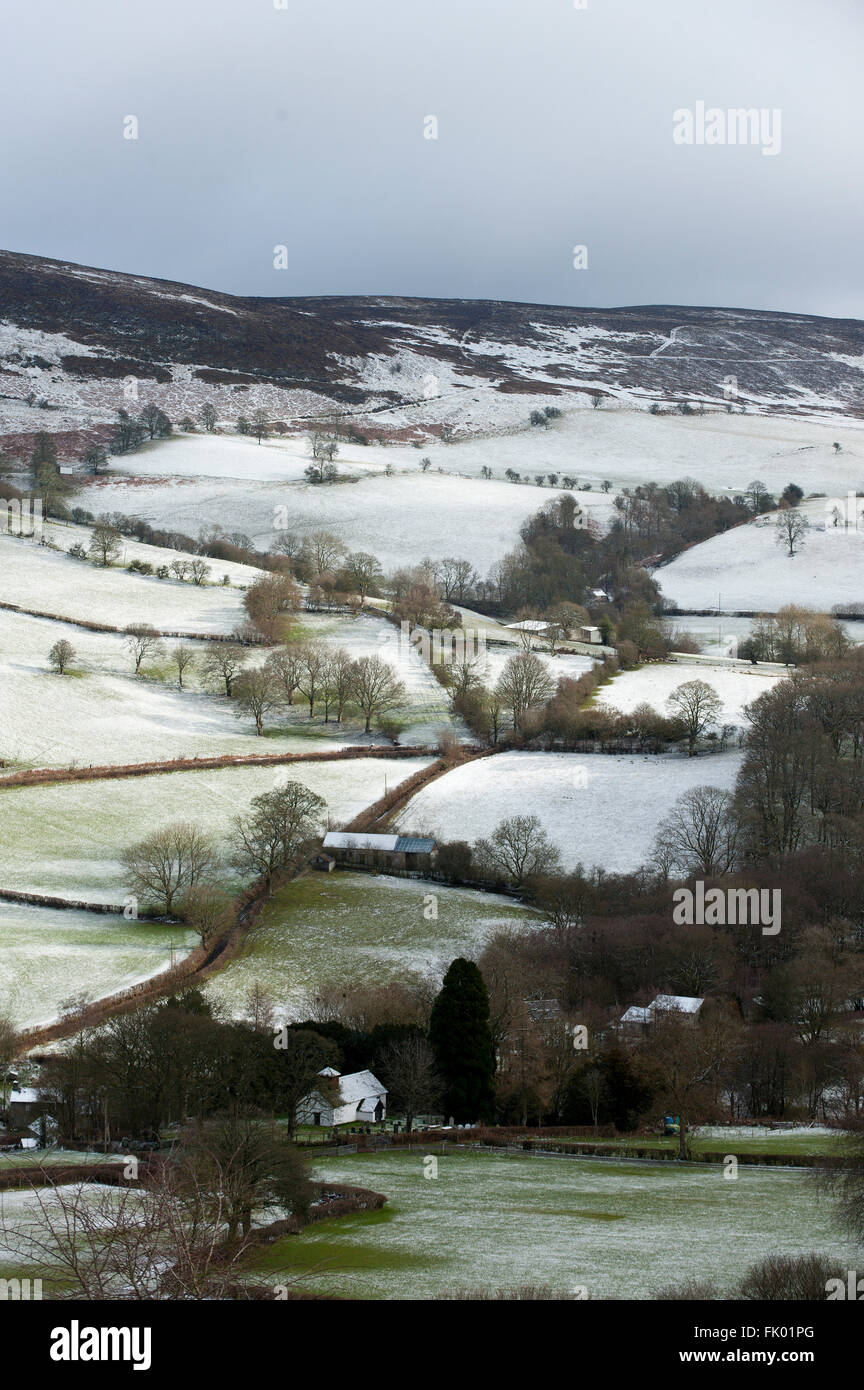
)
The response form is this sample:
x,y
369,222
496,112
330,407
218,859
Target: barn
x,y
359,849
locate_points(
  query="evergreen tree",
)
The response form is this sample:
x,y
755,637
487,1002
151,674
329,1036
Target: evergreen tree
x,y
462,1042
47,479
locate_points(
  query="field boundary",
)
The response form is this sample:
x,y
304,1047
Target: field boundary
x,y
37,777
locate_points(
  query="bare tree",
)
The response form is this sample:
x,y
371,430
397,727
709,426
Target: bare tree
x,y
701,833
256,693
223,662
519,848
687,1057
142,641
260,424
285,667
205,908
268,838
791,529
377,688
168,862
408,1069
183,658
697,706
61,655
313,658
324,550
523,684
105,542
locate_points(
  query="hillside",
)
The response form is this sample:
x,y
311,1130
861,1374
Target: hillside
x,y
404,368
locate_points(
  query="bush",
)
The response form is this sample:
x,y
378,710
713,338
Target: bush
x,y
789,1278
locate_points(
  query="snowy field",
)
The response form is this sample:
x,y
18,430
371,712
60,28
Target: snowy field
x,y
425,715
37,577
624,444
745,569
102,713
48,956
563,666
652,685
617,1230
68,839
598,810
719,636
370,931
400,519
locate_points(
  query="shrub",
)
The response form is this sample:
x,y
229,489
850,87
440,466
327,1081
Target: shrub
x,y
788,1278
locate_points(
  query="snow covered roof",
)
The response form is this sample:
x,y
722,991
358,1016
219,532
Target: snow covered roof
x,y
684,1003
669,1003
528,625
407,844
359,1085
344,839
26,1096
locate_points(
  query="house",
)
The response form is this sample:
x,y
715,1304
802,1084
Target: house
x,y
358,1098
24,1106
638,1017
590,634
379,851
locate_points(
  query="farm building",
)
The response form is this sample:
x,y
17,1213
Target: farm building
x,y
637,1017
590,634
358,848
358,1098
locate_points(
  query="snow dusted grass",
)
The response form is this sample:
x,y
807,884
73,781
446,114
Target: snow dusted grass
x,y
68,839
400,519
426,711
620,1230
101,713
750,572
598,810
214,456
368,930
564,666
48,956
37,577
652,685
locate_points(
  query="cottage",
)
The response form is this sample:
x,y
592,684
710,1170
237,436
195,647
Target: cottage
x,y
590,634
379,851
358,1098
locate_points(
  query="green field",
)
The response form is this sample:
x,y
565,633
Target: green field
x,y
360,929
617,1230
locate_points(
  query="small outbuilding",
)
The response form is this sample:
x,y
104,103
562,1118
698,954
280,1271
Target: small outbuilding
x,y
368,851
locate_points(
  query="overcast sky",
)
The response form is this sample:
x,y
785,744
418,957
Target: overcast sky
x,y
305,126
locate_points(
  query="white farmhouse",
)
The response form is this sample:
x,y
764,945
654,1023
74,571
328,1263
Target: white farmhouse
x,y
360,1099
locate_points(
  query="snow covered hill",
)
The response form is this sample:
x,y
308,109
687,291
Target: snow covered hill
x,y
746,570
72,337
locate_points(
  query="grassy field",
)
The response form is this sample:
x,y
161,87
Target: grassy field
x,y
359,928
725,1139
618,1230
81,830
48,956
